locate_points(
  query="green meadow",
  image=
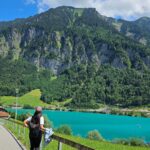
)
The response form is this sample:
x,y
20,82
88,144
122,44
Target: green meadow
x,y
30,99
97,145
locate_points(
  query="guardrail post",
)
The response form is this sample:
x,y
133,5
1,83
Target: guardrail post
x,y
14,126
19,130
24,131
59,145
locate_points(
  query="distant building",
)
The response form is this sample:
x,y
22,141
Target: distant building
x,y
3,113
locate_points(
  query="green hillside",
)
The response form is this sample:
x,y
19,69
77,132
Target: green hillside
x,y
30,99
93,61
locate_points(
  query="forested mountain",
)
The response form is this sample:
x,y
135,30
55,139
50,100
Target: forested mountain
x,y
137,30
96,59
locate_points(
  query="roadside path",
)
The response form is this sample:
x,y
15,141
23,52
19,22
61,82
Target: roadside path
x,y
7,142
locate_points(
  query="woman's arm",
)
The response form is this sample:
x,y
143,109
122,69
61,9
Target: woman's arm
x,y
26,123
42,127
42,123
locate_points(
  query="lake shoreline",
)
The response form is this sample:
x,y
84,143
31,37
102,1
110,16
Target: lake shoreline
x,y
134,112
125,112
120,111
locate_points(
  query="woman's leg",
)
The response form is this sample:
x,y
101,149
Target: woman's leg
x,y
37,142
31,143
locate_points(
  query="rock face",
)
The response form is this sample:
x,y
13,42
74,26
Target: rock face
x,y
62,37
137,30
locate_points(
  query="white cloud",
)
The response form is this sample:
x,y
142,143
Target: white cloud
x,y
30,1
126,9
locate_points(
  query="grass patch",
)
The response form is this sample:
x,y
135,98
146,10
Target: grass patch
x,y
61,104
97,145
53,78
32,99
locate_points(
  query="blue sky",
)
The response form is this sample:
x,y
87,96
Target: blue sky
x,y
125,9
11,9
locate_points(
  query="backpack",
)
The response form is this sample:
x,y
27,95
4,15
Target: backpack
x,y
34,126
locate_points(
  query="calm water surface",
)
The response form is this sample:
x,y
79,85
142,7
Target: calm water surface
x,y
110,126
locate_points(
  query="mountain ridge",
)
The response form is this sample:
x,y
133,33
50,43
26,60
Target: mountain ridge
x,y
61,20
94,57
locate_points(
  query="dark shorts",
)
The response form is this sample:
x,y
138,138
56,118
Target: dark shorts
x,y
35,142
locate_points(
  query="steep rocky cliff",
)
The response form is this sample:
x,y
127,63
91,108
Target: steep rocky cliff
x,y
97,60
62,37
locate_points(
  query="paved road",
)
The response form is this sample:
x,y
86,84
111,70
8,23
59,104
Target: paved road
x,y
7,142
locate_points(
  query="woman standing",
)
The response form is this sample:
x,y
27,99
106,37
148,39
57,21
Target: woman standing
x,y
36,126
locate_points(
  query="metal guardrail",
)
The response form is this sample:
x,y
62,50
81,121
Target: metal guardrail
x,y
60,140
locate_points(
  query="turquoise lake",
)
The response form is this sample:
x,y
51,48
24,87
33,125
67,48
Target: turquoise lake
x,y
110,126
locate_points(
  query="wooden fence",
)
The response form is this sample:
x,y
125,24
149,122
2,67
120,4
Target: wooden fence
x,y
60,140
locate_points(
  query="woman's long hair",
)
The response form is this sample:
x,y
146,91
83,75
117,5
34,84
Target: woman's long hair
x,y
36,117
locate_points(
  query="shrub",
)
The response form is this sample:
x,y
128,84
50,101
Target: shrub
x,y
21,117
94,135
131,142
12,114
136,142
64,129
121,141
28,107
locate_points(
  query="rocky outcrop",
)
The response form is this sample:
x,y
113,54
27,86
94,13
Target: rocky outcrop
x,y
62,46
